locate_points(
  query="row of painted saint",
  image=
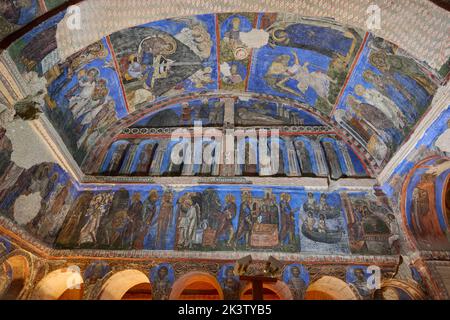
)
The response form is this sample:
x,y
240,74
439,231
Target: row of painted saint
x,y
210,219
297,156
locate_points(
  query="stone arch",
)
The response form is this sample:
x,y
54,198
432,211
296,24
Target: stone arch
x,y
117,286
200,281
272,291
394,289
329,288
21,265
61,284
20,273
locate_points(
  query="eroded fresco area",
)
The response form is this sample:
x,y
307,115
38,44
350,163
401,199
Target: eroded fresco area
x,y
373,89
37,198
16,14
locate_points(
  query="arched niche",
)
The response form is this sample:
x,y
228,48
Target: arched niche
x,y
394,289
18,268
115,157
283,158
126,285
61,284
334,157
424,204
329,288
271,291
196,286
19,271
143,158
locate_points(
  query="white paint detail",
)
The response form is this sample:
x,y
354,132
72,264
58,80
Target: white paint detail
x,y
225,69
373,21
443,142
245,98
73,18
255,38
28,149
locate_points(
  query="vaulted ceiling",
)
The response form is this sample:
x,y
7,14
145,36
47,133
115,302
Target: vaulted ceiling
x,y
134,81
366,89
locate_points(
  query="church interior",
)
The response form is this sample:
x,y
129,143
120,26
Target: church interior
x,y
224,150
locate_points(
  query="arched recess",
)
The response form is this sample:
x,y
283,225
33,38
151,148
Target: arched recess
x,y
20,266
196,286
329,288
126,285
423,204
20,273
61,284
272,291
393,289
